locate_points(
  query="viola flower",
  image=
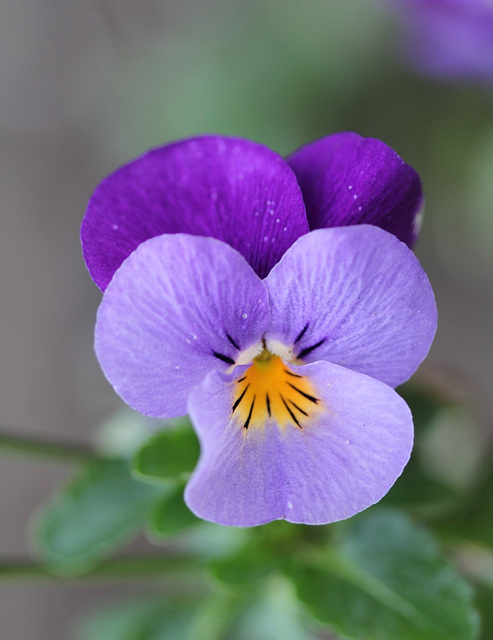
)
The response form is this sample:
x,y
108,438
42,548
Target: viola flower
x,y
288,380
449,38
283,344
246,195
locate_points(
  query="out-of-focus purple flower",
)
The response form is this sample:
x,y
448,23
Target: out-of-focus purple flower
x,y
248,196
288,379
449,38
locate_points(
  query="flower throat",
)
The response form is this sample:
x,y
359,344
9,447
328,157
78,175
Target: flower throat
x,y
270,391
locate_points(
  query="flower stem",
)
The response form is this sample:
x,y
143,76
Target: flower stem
x,y
10,442
134,567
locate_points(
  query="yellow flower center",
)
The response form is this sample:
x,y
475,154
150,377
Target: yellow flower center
x,y
270,391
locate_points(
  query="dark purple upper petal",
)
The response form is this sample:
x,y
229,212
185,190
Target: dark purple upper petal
x,y
347,179
226,188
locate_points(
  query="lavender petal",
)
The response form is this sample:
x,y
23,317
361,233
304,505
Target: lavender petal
x,y
164,322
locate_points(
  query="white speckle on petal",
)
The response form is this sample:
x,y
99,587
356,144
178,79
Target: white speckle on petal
x,y
244,316
360,208
290,506
350,186
355,197
115,227
277,220
266,238
285,229
177,366
271,211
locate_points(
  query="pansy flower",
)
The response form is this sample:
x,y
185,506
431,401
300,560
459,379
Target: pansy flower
x,y
283,345
449,38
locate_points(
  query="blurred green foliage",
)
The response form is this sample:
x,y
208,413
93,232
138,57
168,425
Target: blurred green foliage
x,y
168,454
385,578
98,510
379,575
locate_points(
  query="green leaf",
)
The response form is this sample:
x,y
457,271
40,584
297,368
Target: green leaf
x,y
117,622
475,521
484,602
274,607
424,405
386,579
154,619
216,616
245,566
124,432
97,511
416,488
171,515
168,455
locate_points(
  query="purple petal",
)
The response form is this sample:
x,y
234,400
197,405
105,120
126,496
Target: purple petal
x,y
354,296
173,304
347,179
341,462
226,188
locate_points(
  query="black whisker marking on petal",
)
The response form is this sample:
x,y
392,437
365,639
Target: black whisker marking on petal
x,y
232,342
267,400
241,379
222,357
299,408
301,333
238,400
245,426
307,350
305,395
290,373
295,419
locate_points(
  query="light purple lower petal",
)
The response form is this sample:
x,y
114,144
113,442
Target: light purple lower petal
x,y
173,304
340,463
231,189
347,179
355,296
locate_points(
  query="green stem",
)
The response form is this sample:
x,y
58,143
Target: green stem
x,y
117,568
10,442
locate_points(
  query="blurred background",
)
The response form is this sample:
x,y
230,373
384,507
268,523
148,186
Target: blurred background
x,y
85,86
